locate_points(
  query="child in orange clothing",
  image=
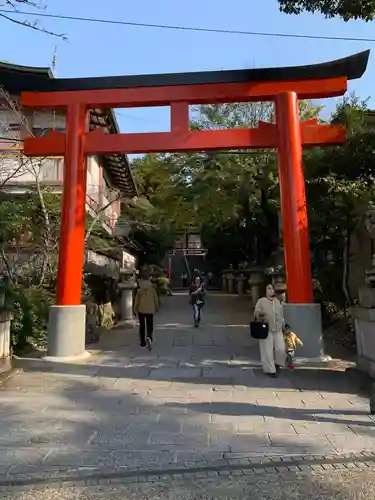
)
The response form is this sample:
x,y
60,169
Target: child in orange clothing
x,y
292,341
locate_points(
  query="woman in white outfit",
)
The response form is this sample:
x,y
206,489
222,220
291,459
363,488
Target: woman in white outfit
x,y
272,349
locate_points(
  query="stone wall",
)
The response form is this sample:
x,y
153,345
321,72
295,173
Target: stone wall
x,y
5,341
360,259
364,323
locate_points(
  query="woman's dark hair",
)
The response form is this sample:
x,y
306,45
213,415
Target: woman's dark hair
x,y
264,286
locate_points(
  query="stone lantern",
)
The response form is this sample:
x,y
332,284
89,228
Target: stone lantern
x,y
255,281
224,282
126,286
281,289
276,274
364,313
230,279
241,283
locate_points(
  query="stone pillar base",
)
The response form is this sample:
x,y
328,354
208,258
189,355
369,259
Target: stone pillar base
x,y
127,323
5,341
320,359
66,333
5,365
306,321
127,304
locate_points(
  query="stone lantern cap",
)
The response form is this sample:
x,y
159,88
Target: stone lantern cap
x,y
127,277
125,271
280,287
273,270
241,277
256,275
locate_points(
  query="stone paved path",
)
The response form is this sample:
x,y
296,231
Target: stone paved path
x,y
198,396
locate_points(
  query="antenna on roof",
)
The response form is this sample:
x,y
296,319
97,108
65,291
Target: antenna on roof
x,y
53,63
53,67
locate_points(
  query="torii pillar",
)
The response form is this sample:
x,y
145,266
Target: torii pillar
x,y
300,311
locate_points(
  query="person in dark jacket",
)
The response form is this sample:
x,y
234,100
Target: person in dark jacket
x,y
197,299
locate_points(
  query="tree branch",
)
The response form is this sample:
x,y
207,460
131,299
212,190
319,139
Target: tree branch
x,y
6,263
346,9
28,24
96,218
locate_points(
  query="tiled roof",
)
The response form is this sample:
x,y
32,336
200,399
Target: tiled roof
x,y
16,79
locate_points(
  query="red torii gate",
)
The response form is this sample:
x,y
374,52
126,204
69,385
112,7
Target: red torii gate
x,y
283,86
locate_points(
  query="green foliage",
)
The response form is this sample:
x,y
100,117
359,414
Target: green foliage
x,y
346,9
99,241
22,218
339,182
352,113
154,241
231,197
162,285
29,223
30,309
16,218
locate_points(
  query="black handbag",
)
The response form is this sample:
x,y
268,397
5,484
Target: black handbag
x,y
259,330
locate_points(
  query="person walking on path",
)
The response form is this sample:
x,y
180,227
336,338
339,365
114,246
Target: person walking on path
x,y
210,277
272,349
197,298
146,304
184,280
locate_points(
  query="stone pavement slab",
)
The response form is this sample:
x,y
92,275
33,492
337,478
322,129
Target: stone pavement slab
x,y
198,395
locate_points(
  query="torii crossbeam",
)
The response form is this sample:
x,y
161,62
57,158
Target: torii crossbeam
x,y
283,86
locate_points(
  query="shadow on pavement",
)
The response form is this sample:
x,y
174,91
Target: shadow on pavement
x,y
205,371
80,424
315,415
101,430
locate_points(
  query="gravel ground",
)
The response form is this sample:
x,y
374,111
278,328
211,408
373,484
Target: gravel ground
x,y
339,485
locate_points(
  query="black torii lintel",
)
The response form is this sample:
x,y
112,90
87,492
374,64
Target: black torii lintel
x,y
20,78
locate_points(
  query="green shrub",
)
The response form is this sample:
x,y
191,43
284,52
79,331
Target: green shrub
x,y
30,309
162,284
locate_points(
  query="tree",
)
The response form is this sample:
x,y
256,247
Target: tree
x,y
158,178
346,9
340,181
42,200
238,190
140,203
231,197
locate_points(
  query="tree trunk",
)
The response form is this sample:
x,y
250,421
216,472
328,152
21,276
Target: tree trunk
x,y
345,263
43,271
7,266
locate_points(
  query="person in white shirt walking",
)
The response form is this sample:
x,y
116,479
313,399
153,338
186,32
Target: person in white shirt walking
x,y
272,349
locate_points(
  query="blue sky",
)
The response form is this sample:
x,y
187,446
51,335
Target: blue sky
x,y
97,50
